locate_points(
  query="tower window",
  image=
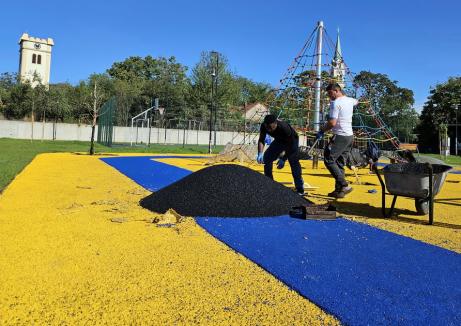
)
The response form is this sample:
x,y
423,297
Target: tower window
x,y
34,58
39,59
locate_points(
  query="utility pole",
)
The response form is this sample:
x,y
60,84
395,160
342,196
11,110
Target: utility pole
x,y
244,122
456,130
215,85
213,77
211,127
318,79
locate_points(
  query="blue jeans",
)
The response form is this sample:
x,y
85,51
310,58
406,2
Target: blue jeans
x,y
273,153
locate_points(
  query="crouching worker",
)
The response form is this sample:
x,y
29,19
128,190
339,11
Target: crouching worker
x,y
285,140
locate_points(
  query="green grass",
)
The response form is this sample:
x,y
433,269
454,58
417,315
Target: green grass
x,y
451,159
15,154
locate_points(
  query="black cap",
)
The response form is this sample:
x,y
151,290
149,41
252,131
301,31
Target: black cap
x,y
270,118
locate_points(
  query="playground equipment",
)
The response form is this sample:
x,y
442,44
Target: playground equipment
x,y
141,125
300,98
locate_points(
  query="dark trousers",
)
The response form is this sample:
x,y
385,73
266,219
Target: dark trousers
x,y
335,157
273,153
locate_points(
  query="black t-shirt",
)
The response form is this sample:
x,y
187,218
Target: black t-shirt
x,y
284,133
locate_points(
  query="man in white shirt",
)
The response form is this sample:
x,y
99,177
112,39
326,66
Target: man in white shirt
x,y
340,123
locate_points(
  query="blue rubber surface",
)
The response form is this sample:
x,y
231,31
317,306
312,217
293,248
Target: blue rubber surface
x,y
361,274
148,173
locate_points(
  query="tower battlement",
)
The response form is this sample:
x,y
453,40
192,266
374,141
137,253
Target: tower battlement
x,y
26,37
35,59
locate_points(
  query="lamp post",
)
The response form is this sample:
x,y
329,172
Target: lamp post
x,y
214,74
214,86
456,130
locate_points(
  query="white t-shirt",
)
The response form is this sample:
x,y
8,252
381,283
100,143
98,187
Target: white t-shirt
x,y
342,109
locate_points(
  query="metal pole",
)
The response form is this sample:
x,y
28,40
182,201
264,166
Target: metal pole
x,y
211,122
318,80
244,122
215,108
213,75
211,127
456,130
131,133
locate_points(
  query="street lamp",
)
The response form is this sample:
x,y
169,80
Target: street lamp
x,y
214,77
456,129
215,85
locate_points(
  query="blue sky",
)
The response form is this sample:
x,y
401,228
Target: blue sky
x,y
417,43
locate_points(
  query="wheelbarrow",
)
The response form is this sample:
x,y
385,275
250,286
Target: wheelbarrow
x,y
421,181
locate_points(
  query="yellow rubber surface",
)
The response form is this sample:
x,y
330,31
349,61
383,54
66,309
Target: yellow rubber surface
x,y
76,248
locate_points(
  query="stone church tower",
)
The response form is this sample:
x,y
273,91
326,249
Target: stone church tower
x,y
338,67
35,58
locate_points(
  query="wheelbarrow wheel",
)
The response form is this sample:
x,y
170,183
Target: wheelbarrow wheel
x,y
422,206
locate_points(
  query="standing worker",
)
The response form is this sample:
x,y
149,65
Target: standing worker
x,y
337,150
285,139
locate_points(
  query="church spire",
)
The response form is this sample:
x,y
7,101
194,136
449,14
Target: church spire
x,y
338,68
338,53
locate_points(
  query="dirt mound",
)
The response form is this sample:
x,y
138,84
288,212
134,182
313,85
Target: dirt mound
x,y
226,190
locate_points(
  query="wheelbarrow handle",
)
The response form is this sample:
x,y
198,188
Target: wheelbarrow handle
x,y
313,147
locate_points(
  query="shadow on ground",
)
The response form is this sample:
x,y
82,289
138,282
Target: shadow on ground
x,y
365,210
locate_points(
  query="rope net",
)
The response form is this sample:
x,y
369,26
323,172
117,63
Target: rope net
x,y
293,100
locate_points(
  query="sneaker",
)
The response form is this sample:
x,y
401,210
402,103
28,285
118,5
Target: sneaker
x,y
300,192
343,192
333,193
346,190
340,193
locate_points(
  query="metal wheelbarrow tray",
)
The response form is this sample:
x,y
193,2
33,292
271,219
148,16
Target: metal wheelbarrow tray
x,y
422,181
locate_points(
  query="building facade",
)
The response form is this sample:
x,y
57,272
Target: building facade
x,y
35,59
256,112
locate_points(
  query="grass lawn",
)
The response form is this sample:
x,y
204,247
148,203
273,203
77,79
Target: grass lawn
x,y
451,159
15,154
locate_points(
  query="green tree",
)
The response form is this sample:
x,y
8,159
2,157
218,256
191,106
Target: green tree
x,y
127,93
201,79
19,101
232,91
439,110
59,102
7,82
101,88
393,103
140,80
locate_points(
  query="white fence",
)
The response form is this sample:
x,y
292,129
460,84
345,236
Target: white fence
x,y
80,132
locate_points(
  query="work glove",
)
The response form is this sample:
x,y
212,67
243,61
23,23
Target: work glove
x,y
319,135
259,158
280,163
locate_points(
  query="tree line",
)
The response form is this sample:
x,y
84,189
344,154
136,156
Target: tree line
x,y
135,82
186,94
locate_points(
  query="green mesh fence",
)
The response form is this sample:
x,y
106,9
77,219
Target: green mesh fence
x,y
106,122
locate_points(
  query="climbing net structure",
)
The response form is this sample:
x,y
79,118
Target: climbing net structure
x,y
295,98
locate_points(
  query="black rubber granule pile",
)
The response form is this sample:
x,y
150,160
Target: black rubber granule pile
x,y
226,190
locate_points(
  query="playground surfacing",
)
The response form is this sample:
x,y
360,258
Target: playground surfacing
x,y
65,260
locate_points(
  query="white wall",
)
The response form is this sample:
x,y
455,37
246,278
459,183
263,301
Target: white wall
x,y
67,131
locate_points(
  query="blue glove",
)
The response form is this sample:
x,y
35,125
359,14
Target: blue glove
x,y
259,158
319,135
268,140
280,163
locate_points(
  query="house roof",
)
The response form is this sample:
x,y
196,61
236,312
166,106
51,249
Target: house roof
x,y
252,105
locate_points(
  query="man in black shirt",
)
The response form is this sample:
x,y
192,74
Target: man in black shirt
x,y
285,139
